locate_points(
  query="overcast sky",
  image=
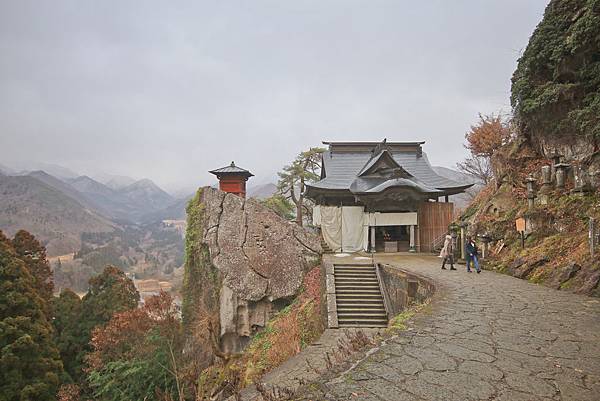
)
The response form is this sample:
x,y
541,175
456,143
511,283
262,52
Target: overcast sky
x,y
168,90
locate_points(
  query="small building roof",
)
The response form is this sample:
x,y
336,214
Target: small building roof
x,y
232,169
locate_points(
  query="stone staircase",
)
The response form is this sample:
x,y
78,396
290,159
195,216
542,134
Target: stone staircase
x,y
325,247
358,297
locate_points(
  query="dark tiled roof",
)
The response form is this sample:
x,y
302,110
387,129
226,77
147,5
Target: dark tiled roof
x,y
232,169
341,170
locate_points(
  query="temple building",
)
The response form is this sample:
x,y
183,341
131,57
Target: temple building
x,y
381,197
232,179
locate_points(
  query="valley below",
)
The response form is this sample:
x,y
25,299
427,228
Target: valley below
x,y
86,224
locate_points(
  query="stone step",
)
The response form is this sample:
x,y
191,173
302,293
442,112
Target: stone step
x,y
340,286
356,279
353,319
351,275
364,325
355,309
352,302
355,275
356,290
356,296
362,315
370,276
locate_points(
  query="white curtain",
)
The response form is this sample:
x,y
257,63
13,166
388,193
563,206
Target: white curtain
x,y
331,226
316,220
352,228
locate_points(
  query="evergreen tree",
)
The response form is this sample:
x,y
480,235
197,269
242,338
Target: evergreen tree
x,y
30,366
109,293
30,251
67,311
293,178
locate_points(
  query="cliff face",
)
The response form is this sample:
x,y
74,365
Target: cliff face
x,y
556,86
244,263
556,104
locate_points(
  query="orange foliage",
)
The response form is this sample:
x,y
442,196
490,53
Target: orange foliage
x,y
124,335
488,135
69,392
290,331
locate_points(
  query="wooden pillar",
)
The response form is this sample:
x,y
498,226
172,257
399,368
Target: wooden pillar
x,y
373,239
462,242
412,239
446,198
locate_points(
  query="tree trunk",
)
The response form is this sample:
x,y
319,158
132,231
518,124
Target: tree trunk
x,y
299,211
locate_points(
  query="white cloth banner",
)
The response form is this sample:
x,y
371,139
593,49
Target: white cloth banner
x,y
331,226
316,218
392,219
352,228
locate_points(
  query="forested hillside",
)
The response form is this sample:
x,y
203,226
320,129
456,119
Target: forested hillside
x,y
57,219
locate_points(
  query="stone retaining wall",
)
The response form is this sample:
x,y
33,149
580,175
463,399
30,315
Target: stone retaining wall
x,y
402,288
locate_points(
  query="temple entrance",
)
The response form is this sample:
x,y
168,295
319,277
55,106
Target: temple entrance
x,y
391,238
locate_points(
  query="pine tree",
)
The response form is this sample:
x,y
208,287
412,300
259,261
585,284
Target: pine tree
x,y
33,254
30,366
109,293
67,311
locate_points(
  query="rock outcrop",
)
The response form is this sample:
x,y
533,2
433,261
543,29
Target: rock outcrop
x,y
260,258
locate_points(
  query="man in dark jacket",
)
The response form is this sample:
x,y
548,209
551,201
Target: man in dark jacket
x,y
472,253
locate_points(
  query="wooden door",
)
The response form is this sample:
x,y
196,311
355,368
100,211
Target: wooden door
x,y
434,218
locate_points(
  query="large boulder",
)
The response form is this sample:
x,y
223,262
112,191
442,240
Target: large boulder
x,y
261,259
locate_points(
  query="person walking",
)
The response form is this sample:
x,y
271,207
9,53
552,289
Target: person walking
x,y
472,253
447,253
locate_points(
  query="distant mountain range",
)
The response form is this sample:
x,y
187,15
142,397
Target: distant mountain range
x,y
59,210
262,191
56,218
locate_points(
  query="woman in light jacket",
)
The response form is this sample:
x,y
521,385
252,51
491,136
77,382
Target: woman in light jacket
x,y
447,253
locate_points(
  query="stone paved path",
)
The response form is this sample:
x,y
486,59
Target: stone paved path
x,y
485,337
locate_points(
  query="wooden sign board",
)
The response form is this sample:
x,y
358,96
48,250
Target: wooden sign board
x,y
520,223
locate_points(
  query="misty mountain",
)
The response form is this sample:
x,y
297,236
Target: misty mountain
x,y
54,217
262,191
461,201
108,201
52,169
134,203
115,181
66,189
176,211
6,170
146,196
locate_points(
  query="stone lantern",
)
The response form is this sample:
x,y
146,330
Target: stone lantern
x,y
546,185
486,239
556,157
530,182
463,238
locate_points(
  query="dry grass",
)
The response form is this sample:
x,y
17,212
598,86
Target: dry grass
x,y
289,332
285,335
